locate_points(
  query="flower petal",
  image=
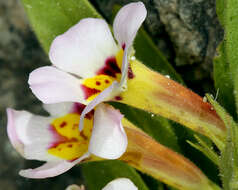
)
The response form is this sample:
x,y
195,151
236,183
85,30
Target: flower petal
x,y
30,135
11,130
83,49
119,184
51,169
59,109
107,93
108,139
51,85
127,22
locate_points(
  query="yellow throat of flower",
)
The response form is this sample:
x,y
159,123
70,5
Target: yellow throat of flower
x,y
70,143
95,85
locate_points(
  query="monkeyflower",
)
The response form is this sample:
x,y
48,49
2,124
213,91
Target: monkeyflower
x,y
57,140
88,66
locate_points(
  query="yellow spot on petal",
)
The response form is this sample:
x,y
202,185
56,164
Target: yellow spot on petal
x,y
99,82
70,142
119,57
69,150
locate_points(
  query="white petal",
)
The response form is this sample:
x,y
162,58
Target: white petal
x,y
108,138
51,85
59,109
11,130
64,108
83,49
127,22
51,169
120,184
32,132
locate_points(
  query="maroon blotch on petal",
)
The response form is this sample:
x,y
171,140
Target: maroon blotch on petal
x,y
78,108
130,73
63,124
118,98
89,91
110,68
123,46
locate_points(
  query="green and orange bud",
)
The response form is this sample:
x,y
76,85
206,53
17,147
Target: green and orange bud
x,y
153,92
150,157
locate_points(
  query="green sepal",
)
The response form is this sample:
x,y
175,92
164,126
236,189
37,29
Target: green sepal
x,y
226,62
206,148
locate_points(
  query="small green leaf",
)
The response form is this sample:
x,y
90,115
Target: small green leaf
x,y
206,149
225,64
229,155
98,174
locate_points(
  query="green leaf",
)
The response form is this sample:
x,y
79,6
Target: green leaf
x,y
49,18
225,64
229,155
98,174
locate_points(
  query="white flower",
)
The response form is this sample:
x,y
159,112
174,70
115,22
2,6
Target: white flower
x,y
88,66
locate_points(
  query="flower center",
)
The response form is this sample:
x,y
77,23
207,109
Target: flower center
x,y
110,72
70,143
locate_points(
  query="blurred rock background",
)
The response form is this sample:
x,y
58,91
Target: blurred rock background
x,y
186,31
